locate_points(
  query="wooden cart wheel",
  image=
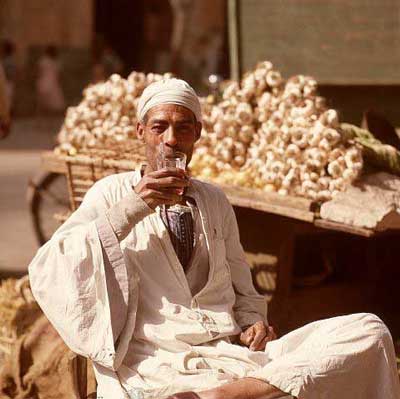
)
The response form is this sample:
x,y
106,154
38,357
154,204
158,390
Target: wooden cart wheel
x,y
47,196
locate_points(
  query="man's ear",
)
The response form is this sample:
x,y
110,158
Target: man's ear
x,y
199,126
140,131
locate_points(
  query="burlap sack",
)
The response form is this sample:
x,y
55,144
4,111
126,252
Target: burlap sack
x,y
37,365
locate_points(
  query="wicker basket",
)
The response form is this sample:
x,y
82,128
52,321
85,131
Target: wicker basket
x,y
85,168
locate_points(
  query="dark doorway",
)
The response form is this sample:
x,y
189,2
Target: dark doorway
x,y
120,25
138,31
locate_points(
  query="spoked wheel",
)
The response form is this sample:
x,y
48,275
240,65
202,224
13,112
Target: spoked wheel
x,y
48,203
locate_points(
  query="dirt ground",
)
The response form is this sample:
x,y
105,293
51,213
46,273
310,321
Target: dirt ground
x,y
19,162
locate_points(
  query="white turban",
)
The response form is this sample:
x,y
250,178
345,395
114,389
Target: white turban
x,y
169,91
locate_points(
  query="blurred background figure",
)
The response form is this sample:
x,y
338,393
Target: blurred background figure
x,y
105,61
98,73
8,61
50,95
4,105
110,61
198,43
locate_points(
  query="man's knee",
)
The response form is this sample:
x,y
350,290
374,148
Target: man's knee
x,y
376,329
375,325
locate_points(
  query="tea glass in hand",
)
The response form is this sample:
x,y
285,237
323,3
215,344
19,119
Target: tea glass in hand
x,y
175,160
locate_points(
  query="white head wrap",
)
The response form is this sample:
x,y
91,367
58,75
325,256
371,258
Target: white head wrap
x,y
169,91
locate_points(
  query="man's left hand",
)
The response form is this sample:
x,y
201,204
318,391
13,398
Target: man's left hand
x,y
257,336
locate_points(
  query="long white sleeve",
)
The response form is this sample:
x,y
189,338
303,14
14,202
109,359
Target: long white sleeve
x,y
80,279
250,306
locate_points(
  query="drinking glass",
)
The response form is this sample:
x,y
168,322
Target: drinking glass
x,y
175,160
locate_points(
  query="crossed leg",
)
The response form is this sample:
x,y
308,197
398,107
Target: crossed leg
x,y
361,342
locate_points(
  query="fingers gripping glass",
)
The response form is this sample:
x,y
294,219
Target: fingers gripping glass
x,y
175,160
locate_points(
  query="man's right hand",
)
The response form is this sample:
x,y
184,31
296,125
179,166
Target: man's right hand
x,y
162,187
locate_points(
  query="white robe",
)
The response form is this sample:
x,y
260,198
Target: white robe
x,y
117,294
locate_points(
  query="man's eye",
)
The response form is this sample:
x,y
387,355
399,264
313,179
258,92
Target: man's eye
x,y
157,129
184,128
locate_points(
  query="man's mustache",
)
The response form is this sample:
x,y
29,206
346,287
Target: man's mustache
x,y
169,151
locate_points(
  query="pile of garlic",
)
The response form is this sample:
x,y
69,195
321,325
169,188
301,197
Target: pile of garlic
x,y
106,116
276,136
265,132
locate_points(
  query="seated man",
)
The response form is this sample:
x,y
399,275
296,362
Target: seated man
x,y
162,300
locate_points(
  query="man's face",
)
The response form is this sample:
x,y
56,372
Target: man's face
x,y
174,125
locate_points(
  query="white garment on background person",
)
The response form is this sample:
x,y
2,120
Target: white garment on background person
x,y
111,284
49,91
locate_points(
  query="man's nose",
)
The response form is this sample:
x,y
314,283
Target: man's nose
x,y
170,137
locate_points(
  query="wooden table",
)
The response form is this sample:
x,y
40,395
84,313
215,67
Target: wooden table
x,y
268,223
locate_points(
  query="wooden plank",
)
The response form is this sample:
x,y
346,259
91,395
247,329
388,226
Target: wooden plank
x,y
292,207
294,213
253,194
345,228
82,190
84,183
53,163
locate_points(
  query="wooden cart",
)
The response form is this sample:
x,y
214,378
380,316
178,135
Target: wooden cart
x,y
269,223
